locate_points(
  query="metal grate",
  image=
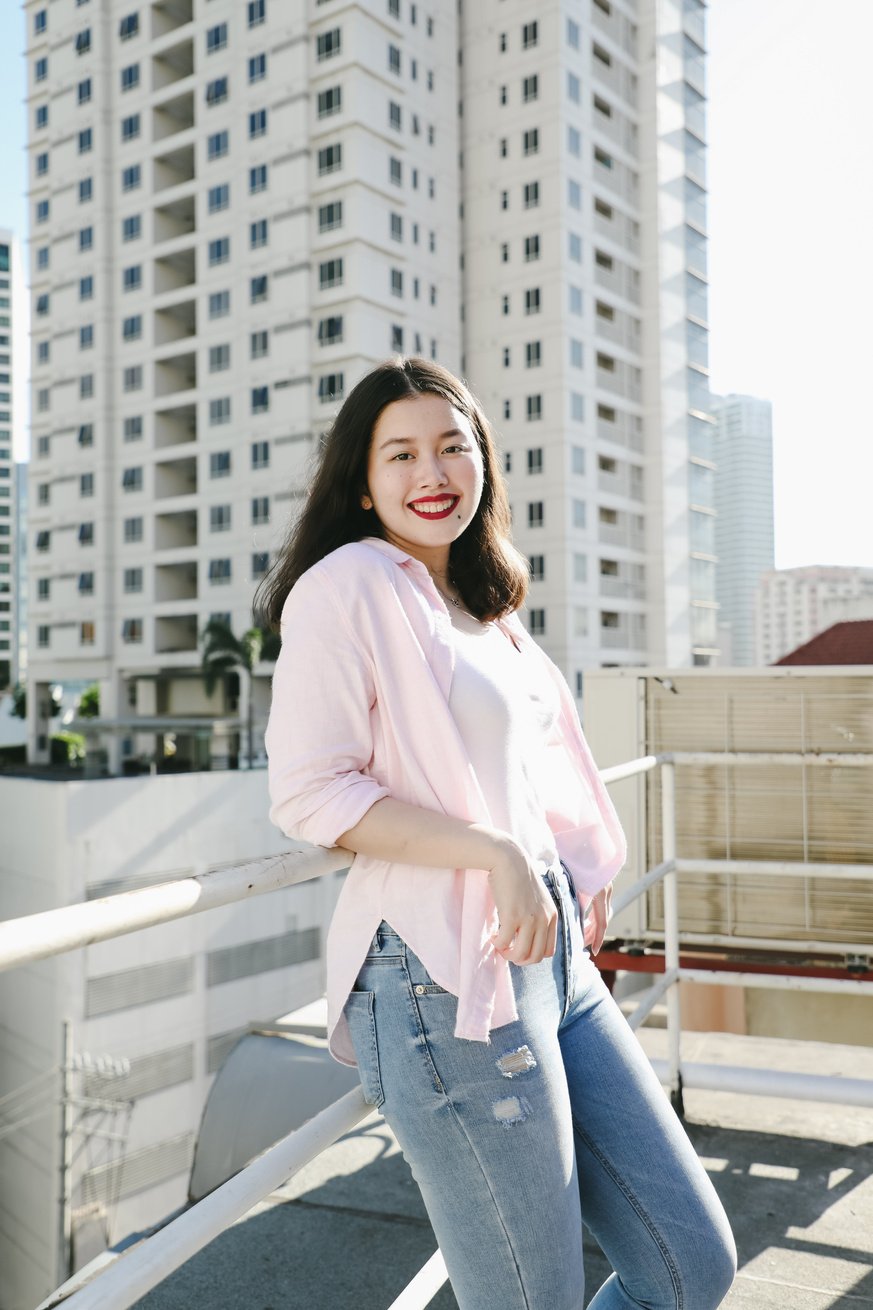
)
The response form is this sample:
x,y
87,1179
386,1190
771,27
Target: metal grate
x,y
231,962
148,1073
138,1170
807,813
140,986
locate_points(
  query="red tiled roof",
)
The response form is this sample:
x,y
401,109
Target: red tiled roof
x,y
850,642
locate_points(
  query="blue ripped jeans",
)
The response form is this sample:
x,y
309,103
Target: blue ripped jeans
x,y
558,1120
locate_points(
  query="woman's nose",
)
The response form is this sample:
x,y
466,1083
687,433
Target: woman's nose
x,y
431,472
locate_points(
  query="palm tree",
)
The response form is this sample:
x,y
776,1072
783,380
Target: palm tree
x,y
222,652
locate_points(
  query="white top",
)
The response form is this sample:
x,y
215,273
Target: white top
x,y
505,706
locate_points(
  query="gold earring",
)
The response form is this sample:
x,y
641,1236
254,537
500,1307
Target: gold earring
x,y
366,502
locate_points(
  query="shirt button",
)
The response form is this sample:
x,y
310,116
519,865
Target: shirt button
x,y
419,990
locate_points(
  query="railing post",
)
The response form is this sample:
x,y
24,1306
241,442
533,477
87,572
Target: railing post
x,y
671,931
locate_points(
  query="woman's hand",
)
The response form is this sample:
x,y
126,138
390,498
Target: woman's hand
x,y
528,918
598,919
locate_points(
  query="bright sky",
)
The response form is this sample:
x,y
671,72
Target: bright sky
x,y
791,247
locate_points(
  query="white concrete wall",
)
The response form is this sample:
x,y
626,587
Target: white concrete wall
x,y
59,839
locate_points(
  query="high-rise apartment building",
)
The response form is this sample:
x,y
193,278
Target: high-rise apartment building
x,y
8,499
238,208
792,605
744,516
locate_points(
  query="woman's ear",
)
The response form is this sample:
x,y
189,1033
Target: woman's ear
x,y
366,502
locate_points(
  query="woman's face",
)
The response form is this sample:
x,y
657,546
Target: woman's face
x,y
424,476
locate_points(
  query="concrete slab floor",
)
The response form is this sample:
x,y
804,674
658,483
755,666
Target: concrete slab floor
x,y
796,1179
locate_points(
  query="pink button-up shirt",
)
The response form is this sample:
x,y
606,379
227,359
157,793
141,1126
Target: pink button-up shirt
x,y
360,710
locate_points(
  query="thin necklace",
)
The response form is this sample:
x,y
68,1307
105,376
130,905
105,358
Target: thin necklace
x,y
452,601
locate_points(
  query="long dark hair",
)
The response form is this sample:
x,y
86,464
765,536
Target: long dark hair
x,y
490,575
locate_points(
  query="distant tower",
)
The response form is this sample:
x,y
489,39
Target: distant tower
x,y
9,274
744,522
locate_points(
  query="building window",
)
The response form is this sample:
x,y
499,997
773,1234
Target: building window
x,y
131,227
86,140
40,69
259,344
330,330
133,529
132,580
535,460
330,274
531,195
40,21
42,635
130,127
42,211
219,411
86,238
530,88
218,198
536,514
258,289
573,88
85,435
132,429
83,41
537,565
507,409
128,27
574,247
219,304
257,178
219,464
578,513
219,251
396,337
328,44
329,101
260,563
131,479
216,91
396,227
575,294
219,358
131,328
395,116
257,68
395,172
216,38
396,282
257,12
574,141
131,631
219,518
219,571
217,145
131,177
534,408
260,400
537,619
260,454
258,234
574,194
43,589
86,534
394,59
257,123
532,303
330,159
260,510
131,378
533,354
530,141
577,407
330,216
130,77
531,248
41,117
331,387
86,386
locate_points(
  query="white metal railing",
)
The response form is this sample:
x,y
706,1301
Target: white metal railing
x,y
116,1282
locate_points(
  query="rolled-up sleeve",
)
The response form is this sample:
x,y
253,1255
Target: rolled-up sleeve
x,y
319,738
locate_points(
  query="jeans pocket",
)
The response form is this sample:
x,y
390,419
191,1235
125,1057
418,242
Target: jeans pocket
x,y
359,1011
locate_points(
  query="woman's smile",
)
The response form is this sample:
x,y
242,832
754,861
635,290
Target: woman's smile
x,y
434,507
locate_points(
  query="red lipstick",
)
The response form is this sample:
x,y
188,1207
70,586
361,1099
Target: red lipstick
x,y
433,500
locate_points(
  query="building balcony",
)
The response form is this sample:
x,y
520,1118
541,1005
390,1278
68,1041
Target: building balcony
x,y
170,16
173,64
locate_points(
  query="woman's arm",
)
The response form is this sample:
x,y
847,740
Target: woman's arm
x,y
408,834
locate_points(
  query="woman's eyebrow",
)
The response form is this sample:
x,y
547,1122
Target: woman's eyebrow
x,y
404,441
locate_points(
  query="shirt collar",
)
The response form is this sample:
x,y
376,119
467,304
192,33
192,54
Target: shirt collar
x,y
393,552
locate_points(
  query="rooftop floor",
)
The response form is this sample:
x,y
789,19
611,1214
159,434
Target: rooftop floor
x,y
796,1179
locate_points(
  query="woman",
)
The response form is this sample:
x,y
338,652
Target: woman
x,y
415,723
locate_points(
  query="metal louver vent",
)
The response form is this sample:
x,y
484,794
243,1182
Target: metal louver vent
x,y
249,958
148,1073
821,813
139,1170
140,986
219,1047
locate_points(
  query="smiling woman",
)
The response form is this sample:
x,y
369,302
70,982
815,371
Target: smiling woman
x,y
438,743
